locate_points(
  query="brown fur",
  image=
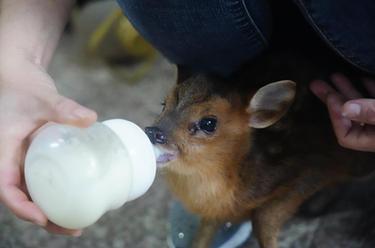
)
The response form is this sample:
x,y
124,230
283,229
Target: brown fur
x,y
265,174
241,172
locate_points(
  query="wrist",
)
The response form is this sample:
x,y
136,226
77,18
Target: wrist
x,y
15,58
30,30
19,69
13,53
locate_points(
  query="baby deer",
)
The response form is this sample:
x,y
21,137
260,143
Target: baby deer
x,y
251,146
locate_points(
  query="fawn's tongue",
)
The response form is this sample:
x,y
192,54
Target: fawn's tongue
x,y
163,156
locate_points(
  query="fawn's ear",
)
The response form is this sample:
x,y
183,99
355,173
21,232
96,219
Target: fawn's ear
x,y
270,103
183,73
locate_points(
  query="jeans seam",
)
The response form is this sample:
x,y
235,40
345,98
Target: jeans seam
x,y
348,56
265,42
240,12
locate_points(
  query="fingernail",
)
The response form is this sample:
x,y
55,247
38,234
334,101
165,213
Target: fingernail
x,y
82,113
352,110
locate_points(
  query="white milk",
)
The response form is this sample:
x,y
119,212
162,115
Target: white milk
x,y
75,175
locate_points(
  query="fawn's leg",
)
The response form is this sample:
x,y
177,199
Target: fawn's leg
x,y
205,234
268,219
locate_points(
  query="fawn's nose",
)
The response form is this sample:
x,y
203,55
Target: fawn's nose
x,y
156,135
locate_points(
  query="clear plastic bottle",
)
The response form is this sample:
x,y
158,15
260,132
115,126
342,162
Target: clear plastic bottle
x,y
76,175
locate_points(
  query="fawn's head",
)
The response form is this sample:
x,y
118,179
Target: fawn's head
x,y
207,121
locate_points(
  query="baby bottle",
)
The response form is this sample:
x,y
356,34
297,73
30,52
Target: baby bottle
x,y
75,175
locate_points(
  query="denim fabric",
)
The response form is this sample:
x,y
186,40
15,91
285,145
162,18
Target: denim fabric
x,y
219,35
347,26
215,36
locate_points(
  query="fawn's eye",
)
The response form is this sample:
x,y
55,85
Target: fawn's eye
x,y
208,124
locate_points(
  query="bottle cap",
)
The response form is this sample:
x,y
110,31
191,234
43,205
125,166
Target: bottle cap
x,y
142,157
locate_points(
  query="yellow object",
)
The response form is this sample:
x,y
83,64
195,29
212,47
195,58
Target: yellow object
x,y
130,40
134,44
102,30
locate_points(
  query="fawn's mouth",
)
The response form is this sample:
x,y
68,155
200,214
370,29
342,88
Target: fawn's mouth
x,y
164,155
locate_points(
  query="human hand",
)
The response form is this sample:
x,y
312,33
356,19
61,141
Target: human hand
x,y
352,116
28,99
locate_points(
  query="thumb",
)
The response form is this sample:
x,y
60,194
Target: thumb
x,y
66,111
360,110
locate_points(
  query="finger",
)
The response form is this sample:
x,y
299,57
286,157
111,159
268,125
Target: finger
x,y
349,134
341,125
360,110
67,111
360,138
321,89
344,86
10,185
368,139
17,201
370,86
53,228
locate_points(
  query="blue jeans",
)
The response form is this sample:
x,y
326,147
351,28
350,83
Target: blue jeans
x,y
206,35
219,35
347,26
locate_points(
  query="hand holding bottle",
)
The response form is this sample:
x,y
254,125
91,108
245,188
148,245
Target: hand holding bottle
x,y
27,101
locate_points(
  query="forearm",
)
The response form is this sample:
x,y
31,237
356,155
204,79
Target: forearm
x,y
31,29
